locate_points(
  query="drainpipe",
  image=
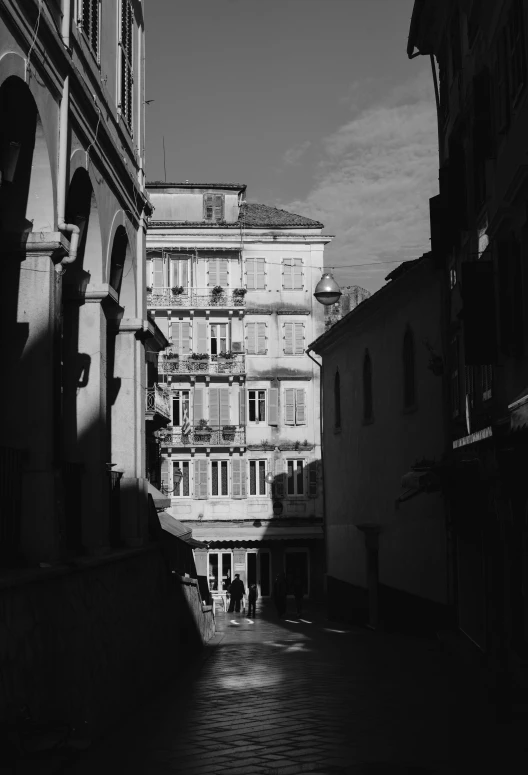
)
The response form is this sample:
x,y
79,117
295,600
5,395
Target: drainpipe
x,y
70,228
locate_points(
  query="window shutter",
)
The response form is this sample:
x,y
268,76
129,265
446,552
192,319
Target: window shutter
x,y
289,406
201,336
212,269
149,273
251,337
238,478
288,339
218,207
165,471
261,338
312,480
157,273
300,407
273,407
176,337
208,207
225,413
298,330
287,275
198,408
251,280
297,274
279,480
242,406
222,272
185,339
214,410
200,478
261,273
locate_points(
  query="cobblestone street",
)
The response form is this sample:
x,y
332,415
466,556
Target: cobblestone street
x,y
314,696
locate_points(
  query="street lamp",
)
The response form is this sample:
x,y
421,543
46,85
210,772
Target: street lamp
x,y
269,478
327,291
177,476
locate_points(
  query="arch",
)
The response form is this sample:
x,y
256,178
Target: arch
x,y
82,210
368,403
26,193
409,369
337,400
122,273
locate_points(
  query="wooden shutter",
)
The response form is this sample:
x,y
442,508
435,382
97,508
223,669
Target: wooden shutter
x,y
251,337
287,274
200,478
289,406
297,274
149,273
214,408
208,207
298,338
164,471
225,408
260,278
185,346
242,406
273,407
251,274
222,272
238,478
218,214
312,479
300,406
158,280
261,338
288,339
198,405
200,342
212,272
163,325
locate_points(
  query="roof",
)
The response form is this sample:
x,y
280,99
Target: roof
x,y
186,184
251,216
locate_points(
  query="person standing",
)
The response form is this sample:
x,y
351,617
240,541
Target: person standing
x,y
298,592
252,599
280,594
238,591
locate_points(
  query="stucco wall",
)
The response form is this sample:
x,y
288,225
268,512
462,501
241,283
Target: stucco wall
x,y
364,462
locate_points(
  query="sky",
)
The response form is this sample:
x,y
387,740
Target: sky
x,y
313,104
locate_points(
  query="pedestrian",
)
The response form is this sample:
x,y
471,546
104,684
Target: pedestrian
x,y
237,591
298,592
252,599
280,593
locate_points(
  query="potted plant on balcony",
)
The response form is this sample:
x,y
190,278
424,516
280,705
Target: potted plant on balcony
x,y
202,432
238,295
149,289
216,294
202,359
228,432
177,290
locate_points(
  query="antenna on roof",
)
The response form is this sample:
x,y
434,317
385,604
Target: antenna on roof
x,y
164,164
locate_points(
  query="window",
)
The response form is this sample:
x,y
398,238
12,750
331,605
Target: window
x,y
217,272
126,74
183,489
218,333
181,337
238,477
292,274
257,481
409,375
487,382
470,385
200,477
293,338
368,413
294,406
219,478
452,277
255,274
455,385
257,406
213,207
256,338
156,274
295,477
89,21
179,271
181,411
219,406
337,400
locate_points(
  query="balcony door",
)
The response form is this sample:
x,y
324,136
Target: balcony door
x,y
258,570
219,338
180,407
179,272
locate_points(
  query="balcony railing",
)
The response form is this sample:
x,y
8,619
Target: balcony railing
x,y
185,364
158,401
194,297
217,436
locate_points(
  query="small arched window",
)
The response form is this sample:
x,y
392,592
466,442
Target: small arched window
x,y
368,409
409,377
337,400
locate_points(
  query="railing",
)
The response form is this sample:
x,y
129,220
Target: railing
x,y
158,401
217,436
194,297
185,364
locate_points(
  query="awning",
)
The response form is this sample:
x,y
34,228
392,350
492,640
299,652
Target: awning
x,y
161,501
205,532
174,527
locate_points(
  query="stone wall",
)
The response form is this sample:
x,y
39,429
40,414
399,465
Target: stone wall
x,y
86,644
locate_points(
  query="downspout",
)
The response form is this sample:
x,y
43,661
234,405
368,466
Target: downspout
x,y
70,228
322,463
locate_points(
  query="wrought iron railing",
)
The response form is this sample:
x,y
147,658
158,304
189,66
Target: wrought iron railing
x,y
195,297
158,401
217,436
185,364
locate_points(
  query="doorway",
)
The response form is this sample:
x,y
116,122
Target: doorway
x,y
258,570
297,562
220,570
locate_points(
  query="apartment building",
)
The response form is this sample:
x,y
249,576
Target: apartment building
x,y
231,286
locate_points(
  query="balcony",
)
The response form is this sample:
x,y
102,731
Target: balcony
x,y
158,402
217,436
185,364
196,297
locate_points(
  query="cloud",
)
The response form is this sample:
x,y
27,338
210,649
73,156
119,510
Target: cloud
x,y
373,181
293,155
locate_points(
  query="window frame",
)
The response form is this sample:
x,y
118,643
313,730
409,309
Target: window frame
x,y
295,478
82,5
253,260
295,352
217,201
218,338
177,399
219,462
257,400
256,352
291,262
258,463
181,464
125,81
296,410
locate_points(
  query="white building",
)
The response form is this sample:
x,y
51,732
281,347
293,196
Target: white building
x,y
231,286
